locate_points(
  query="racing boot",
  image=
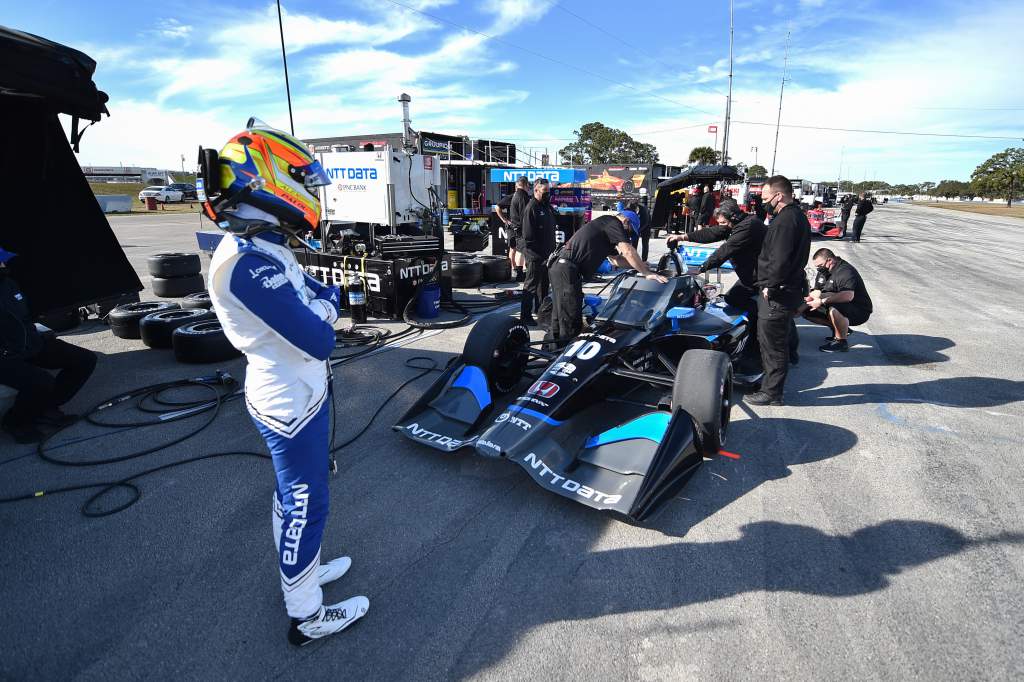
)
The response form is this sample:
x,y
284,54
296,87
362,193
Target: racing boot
x,y
332,570
327,621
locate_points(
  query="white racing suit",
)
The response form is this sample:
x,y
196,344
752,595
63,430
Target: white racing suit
x,y
267,306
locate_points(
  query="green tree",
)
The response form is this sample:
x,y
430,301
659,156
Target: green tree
x,y
703,155
597,143
757,171
953,188
926,187
1001,176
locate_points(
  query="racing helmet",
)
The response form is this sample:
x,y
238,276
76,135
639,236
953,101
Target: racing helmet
x,y
265,176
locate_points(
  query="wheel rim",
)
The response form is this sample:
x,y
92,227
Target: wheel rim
x,y
723,426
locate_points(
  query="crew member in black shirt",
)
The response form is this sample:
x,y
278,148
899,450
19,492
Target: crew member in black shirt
x,y
25,355
840,302
538,243
743,234
707,206
510,211
864,206
601,238
755,206
693,203
781,284
645,227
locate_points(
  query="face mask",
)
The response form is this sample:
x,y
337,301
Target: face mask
x,y
824,271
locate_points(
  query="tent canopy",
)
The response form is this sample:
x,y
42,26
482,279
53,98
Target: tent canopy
x,y
693,175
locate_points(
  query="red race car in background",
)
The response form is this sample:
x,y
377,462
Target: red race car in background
x,y
823,223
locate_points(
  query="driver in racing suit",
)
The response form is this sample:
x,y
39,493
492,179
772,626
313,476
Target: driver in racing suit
x,y
283,320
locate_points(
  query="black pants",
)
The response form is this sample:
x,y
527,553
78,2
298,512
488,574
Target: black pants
x,y
845,219
775,332
645,244
744,297
858,226
566,301
38,390
535,287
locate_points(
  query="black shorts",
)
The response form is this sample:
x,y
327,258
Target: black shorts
x,y
513,238
854,314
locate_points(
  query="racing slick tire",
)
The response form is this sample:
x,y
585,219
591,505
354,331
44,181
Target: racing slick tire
x,y
202,342
200,300
155,329
124,319
496,268
467,274
177,287
62,321
703,388
173,264
497,344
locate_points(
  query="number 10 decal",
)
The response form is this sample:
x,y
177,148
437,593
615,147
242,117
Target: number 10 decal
x,y
582,349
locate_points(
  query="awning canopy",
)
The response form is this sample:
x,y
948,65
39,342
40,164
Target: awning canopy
x,y
693,175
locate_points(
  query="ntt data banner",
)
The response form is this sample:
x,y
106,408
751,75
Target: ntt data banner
x,y
559,175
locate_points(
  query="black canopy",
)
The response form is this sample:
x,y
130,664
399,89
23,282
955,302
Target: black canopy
x,y
691,176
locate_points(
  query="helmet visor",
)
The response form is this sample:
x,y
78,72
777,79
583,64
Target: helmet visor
x,y
313,176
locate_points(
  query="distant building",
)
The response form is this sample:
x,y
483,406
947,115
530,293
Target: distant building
x,y
126,174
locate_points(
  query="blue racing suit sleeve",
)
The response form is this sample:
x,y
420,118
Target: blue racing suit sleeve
x,y
260,285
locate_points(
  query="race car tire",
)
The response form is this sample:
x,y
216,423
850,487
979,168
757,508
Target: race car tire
x,y
467,274
173,264
496,268
497,344
178,287
200,300
202,342
628,186
124,319
156,329
703,388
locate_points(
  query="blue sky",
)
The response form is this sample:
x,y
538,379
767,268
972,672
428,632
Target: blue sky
x,y
183,73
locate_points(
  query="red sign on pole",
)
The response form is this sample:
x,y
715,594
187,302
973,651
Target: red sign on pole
x,y
712,129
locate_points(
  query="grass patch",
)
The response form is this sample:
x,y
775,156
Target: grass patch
x,y
132,189
971,207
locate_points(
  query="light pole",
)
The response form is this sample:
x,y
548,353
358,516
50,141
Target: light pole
x,y
284,60
754,149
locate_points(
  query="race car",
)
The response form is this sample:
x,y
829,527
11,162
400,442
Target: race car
x,y
823,223
618,420
608,182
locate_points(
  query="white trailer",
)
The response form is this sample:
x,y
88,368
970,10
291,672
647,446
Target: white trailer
x,y
385,187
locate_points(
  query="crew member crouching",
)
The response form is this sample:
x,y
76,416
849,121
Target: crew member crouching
x,y
840,302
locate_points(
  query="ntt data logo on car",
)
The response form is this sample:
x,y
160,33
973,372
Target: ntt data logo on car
x,y
545,389
567,484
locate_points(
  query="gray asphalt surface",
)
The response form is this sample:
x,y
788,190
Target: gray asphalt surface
x,y
872,527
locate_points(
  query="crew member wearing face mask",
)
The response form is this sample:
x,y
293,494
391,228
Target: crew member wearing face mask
x,y
537,244
743,234
781,284
839,300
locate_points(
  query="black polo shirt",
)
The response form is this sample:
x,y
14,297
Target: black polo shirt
x,y
594,242
844,277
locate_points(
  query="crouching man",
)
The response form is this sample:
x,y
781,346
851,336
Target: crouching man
x,y
840,301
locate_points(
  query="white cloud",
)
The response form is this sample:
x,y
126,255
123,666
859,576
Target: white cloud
x,y
172,29
812,3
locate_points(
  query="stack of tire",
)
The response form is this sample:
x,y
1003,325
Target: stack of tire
x,y
175,275
190,328
470,271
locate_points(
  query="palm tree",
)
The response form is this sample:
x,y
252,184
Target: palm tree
x,y
703,155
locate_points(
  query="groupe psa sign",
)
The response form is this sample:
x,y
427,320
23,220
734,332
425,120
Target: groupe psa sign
x,y
559,175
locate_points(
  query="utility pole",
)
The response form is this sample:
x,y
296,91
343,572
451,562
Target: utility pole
x,y
839,175
728,101
754,149
782,89
284,59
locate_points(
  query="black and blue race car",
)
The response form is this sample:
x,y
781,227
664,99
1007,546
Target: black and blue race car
x,y
617,420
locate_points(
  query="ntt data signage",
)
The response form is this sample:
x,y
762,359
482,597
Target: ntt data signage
x,y
560,175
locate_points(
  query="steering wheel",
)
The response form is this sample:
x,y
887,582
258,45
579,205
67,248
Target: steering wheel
x,y
680,270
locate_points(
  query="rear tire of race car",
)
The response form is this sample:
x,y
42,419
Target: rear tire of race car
x,y
200,300
178,287
62,321
467,274
703,388
173,265
124,319
156,329
202,342
497,345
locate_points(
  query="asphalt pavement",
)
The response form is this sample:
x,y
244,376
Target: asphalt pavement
x,y
871,528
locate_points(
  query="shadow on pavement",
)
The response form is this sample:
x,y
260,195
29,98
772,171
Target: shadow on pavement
x,y
565,581
767,449
951,392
